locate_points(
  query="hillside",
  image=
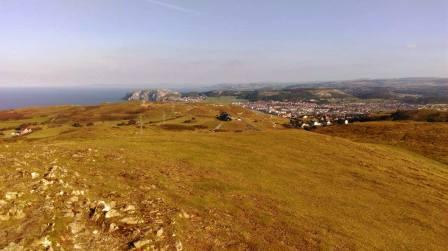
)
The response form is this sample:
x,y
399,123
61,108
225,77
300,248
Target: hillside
x,y
407,90
421,115
428,139
93,178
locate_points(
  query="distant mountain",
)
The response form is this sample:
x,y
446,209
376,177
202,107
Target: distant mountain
x,y
411,90
396,82
245,87
154,95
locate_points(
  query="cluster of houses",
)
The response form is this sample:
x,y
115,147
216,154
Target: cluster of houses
x,y
436,107
22,131
308,122
301,108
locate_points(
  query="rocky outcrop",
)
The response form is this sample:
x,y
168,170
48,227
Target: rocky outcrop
x,y
154,95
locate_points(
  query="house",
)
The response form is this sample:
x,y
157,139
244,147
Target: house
x,y
22,132
304,125
26,131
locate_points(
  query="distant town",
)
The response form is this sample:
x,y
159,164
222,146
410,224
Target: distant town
x,y
307,114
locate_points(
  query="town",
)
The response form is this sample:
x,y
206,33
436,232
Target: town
x,y
308,115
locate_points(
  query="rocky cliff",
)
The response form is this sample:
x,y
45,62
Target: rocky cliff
x,y
154,95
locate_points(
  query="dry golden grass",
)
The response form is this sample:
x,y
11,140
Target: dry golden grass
x,y
428,139
264,188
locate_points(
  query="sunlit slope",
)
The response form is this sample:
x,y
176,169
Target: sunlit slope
x,y
427,138
266,189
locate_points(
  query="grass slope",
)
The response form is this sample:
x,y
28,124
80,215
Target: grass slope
x,y
428,139
248,187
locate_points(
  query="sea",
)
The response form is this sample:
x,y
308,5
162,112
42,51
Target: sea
x,y
16,97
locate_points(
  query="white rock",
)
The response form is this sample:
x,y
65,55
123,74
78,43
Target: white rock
x,y
106,207
130,220
179,246
11,195
76,227
46,242
112,213
113,227
78,192
13,247
141,243
129,208
160,232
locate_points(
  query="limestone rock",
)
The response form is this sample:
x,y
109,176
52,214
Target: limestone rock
x,y
131,220
141,243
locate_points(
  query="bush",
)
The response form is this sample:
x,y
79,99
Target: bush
x,y
224,116
400,115
76,124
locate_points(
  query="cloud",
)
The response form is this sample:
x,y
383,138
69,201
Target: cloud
x,y
411,46
173,7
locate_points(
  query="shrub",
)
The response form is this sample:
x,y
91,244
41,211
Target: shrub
x,y
77,124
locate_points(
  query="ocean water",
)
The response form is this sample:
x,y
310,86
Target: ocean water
x,y
33,96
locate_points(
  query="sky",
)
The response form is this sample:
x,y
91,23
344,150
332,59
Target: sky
x,y
201,42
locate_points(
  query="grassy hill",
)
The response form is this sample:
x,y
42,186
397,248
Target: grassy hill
x,y
421,115
187,181
427,139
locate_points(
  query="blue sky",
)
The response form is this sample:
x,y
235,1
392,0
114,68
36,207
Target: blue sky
x,y
201,42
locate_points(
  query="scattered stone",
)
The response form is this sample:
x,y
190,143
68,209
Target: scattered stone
x,y
13,247
159,232
72,200
184,214
34,175
141,243
76,227
12,195
54,172
179,246
112,213
3,203
129,208
104,206
69,214
17,213
130,220
46,183
5,217
46,243
78,192
113,227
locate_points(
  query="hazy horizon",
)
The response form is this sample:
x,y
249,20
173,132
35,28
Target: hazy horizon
x,y
183,44
198,87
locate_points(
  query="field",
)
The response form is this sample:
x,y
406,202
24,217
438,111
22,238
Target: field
x,y
428,139
173,177
224,100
